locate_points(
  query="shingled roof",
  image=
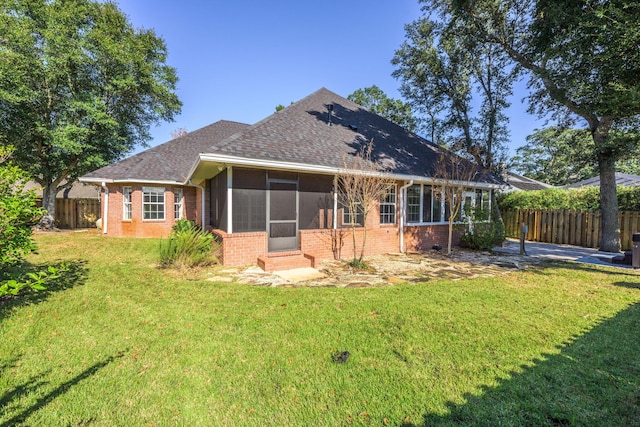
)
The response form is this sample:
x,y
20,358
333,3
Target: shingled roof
x,y
168,162
519,182
308,133
621,179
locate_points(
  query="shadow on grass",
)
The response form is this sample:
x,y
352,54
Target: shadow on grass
x,y
594,380
36,383
547,266
75,275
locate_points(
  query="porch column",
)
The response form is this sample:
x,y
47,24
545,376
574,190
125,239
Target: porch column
x,y
229,199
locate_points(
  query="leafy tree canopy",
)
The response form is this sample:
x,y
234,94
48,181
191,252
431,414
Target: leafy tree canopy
x,y
459,86
394,110
561,156
582,57
79,87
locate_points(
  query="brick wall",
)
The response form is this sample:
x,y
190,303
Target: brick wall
x,y
319,243
136,226
241,248
422,238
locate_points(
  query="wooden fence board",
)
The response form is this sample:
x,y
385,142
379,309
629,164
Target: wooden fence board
x,y
77,213
580,228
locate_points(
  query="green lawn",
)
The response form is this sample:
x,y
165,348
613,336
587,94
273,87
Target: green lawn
x,y
122,343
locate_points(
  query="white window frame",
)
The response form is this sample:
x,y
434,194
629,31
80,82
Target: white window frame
x,y
390,216
127,203
153,197
434,200
178,204
347,216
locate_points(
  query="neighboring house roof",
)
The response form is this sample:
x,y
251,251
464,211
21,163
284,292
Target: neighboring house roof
x,y
169,162
519,182
299,137
77,191
621,179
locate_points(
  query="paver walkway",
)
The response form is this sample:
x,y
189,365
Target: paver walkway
x,y
550,251
394,268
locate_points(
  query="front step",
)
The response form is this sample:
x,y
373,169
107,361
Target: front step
x,y
278,261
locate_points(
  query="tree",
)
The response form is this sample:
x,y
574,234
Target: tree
x,y
556,156
454,176
178,132
375,100
560,156
18,212
360,186
444,72
582,57
79,88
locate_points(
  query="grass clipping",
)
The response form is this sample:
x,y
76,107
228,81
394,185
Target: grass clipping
x,y
188,247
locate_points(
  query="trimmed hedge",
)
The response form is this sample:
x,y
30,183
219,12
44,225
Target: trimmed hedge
x,y
586,198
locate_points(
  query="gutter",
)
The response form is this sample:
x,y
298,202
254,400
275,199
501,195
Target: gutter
x,y
202,210
105,216
402,212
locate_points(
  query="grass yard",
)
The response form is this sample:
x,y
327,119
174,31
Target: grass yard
x,y
122,343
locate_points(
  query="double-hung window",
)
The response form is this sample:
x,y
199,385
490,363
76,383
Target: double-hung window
x,y
388,206
424,204
127,206
350,218
177,203
152,203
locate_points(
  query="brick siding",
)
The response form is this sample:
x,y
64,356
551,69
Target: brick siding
x,y
136,226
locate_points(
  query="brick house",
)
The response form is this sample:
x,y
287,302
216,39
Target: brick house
x,y
267,190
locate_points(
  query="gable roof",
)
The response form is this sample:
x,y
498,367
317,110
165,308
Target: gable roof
x,y
621,179
308,136
168,162
519,182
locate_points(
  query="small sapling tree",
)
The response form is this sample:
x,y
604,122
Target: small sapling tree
x,y
360,186
454,175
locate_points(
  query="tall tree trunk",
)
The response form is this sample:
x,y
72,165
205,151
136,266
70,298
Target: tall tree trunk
x,y
610,237
47,222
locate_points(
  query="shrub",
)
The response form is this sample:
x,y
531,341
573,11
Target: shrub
x,y
586,198
187,246
18,213
485,236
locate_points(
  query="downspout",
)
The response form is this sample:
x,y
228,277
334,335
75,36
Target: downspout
x,y
402,213
201,202
106,207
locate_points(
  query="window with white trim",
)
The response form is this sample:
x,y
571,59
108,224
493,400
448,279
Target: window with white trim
x,y
425,205
413,203
388,206
127,206
348,218
152,203
177,203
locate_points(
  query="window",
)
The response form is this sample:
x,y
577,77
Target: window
x,y
349,219
152,202
177,203
413,203
424,204
126,203
483,203
388,206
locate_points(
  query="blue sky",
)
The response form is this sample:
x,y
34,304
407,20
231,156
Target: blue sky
x,y
238,59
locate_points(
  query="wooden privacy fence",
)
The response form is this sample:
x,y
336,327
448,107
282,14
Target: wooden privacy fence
x,y
76,213
572,227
